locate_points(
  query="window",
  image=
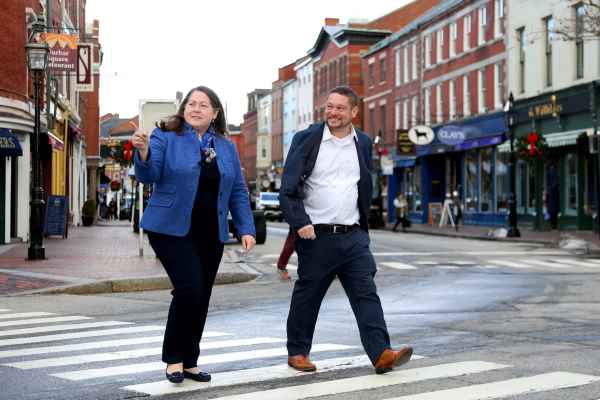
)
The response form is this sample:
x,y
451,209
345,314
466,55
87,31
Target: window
x,y
549,29
414,112
467,32
413,183
414,61
482,93
482,25
333,75
466,96
580,13
440,45
486,179
397,116
372,118
452,100
371,73
498,16
502,181
405,66
405,114
428,106
453,39
571,186
428,51
521,66
382,70
498,86
398,73
343,65
383,125
471,180
438,95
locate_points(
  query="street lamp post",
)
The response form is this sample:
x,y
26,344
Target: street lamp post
x,y
37,59
513,231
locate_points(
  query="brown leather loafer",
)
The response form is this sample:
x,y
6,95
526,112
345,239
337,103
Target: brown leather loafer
x,y
391,358
301,363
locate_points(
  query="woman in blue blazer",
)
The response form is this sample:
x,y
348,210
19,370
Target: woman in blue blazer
x,y
197,181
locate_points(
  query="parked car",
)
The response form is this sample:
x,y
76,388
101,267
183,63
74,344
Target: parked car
x,y
269,203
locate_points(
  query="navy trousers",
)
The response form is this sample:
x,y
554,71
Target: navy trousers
x,y
346,255
191,264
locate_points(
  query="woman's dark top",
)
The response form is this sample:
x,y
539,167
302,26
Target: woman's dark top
x,y
205,222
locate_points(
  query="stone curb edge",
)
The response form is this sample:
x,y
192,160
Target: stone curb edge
x,y
124,285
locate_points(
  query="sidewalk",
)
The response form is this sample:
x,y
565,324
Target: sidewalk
x,y
98,259
575,240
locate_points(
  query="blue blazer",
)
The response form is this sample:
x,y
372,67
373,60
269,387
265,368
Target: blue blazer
x,y
173,166
299,164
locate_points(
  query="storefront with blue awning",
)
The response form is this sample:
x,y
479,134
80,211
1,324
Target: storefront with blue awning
x,y
463,159
10,149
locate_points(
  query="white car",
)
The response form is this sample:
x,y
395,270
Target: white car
x,y
269,203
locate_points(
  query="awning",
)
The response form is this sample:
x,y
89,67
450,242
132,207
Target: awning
x,y
481,142
558,139
56,143
405,163
9,144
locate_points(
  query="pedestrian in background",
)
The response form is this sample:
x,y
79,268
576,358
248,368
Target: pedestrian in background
x,y
401,206
325,195
286,253
197,180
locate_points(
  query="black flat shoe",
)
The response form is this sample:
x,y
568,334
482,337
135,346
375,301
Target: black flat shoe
x,y
199,377
175,377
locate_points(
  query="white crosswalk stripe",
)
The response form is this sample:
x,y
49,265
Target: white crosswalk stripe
x,y
35,321
25,315
72,366
203,360
397,265
4,310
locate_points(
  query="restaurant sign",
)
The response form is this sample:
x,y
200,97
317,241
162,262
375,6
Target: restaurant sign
x,y
63,51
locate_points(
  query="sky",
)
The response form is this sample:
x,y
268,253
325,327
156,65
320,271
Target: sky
x,y
154,48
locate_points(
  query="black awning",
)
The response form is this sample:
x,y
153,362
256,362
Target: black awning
x,y
9,144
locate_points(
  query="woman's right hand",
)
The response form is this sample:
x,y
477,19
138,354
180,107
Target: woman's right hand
x,y
140,142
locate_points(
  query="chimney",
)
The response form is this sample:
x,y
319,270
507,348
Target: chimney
x,y
332,21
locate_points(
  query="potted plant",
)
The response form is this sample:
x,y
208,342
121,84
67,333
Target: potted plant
x,y
89,212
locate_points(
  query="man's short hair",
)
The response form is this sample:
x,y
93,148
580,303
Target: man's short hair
x,y
346,91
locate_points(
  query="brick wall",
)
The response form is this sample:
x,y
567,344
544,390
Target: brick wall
x,y
13,38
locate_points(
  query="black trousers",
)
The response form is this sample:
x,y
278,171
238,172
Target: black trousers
x,y
346,255
191,263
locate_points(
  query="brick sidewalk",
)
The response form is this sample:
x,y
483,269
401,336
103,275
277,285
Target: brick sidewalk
x,y
99,253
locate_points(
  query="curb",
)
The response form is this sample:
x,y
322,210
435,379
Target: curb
x,y
124,285
492,239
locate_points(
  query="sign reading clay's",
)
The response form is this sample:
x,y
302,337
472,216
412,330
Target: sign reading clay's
x,y
421,135
452,134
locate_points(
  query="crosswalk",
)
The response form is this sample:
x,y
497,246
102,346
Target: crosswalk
x,y
489,260
87,350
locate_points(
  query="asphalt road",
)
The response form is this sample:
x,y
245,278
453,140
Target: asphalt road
x,y
490,320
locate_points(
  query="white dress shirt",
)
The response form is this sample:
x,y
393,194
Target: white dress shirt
x,y
331,190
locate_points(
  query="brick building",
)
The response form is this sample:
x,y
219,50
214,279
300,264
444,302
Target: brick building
x,y
248,131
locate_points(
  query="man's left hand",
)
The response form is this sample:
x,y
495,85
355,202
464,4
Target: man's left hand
x,y
248,242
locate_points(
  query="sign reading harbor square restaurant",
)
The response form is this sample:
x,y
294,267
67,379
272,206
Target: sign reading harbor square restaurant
x,y
63,51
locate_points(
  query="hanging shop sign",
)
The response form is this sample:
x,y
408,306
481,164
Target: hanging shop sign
x,y
421,135
63,51
550,109
9,144
452,134
404,145
84,77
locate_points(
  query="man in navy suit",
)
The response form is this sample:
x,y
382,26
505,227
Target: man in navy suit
x,y
325,196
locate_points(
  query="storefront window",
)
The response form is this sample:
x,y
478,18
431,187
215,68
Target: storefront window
x,y
502,181
486,179
531,191
417,189
571,184
413,188
471,181
522,183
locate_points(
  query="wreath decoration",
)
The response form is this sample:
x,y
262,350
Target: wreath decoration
x,y
531,147
120,152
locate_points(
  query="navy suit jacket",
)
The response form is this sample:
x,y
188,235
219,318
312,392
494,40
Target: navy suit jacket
x,y
173,166
299,164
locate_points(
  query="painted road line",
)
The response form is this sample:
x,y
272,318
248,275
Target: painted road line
x,y
427,262
291,267
25,315
386,254
203,361
253,375
371,381
58,328
506,263
397,265
126,354
448,267
35,321
462,262
80,346
547,264
515,253
510,387
578,263
81,335
4,310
